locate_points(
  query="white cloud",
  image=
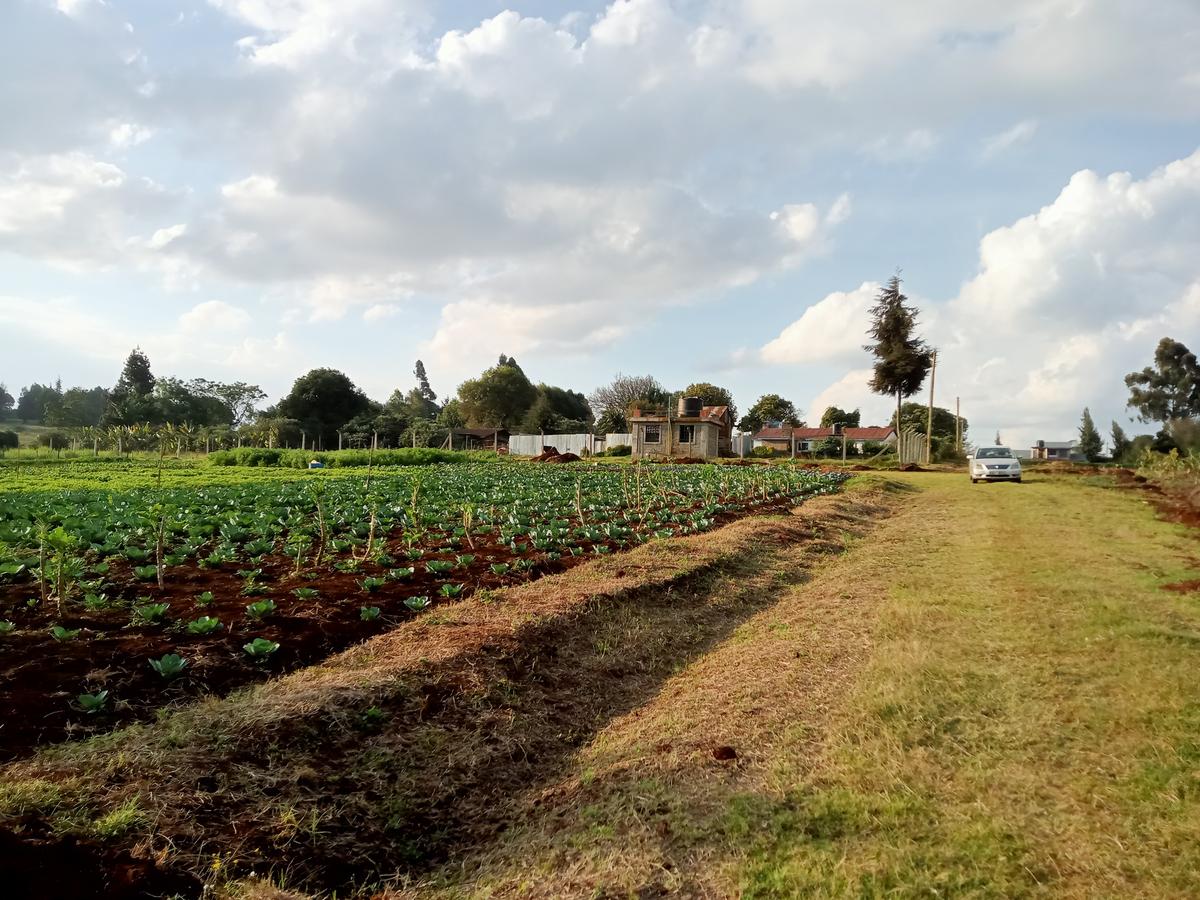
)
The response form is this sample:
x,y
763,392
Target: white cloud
x,y
164,236
998,144
381,311
72,209
528,175
833,329
74,8
215,315
1066,301
506,58
473,330
129,134
295,33
209,339
850,392
911,146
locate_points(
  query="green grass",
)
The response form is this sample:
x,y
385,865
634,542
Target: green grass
x,y
1023,726
1023,721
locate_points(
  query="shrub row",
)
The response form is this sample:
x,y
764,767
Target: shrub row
x,y
337,459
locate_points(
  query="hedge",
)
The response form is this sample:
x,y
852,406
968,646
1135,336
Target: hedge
x,y
338,459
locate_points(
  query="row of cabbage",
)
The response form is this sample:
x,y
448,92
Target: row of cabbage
x,y
65,540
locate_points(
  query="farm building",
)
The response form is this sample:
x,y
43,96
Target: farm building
x,y
808,439
1056,450
695,430
477,439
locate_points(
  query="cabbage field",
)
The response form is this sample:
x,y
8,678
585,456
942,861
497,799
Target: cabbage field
x,y
129,589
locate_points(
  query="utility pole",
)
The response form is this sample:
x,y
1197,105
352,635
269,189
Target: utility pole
x,y
929,418
957,427
670,403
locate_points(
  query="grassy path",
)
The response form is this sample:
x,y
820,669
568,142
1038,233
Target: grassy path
x,y
991,696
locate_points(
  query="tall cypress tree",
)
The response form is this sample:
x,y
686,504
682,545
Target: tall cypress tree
x,y
902,360
131,401
423,382
1091,445
1120,442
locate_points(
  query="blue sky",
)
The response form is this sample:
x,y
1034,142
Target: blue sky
x,y
698,190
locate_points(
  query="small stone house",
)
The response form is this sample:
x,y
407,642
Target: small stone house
x,y
1056,450
698,431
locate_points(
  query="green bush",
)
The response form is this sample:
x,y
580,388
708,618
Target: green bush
x,y
617,450
338,459
57,439
765,452
8,440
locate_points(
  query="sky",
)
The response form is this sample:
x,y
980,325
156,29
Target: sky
x,y
701,190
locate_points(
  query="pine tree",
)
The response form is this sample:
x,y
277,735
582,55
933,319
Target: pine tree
x,y
136,377
902,360
1120,442
131,401
423,382
1091,445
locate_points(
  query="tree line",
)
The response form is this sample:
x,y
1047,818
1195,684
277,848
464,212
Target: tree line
x,y
325,409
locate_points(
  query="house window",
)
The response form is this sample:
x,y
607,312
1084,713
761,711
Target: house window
x,y
651,434
687,434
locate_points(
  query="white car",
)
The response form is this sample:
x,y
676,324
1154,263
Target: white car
x,y
994,464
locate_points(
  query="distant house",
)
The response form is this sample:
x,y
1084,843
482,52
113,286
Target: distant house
x,y
808,439
694,430
1056,450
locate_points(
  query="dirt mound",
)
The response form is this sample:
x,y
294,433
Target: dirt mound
x,y
560,458
911,467
551,455
1183,587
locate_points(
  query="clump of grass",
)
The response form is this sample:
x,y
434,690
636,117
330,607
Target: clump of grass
x,y
127,817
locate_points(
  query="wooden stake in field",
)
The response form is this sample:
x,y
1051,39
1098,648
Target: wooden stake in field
x,y
929,418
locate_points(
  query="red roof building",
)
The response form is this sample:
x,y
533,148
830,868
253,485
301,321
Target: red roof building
x,y
807,439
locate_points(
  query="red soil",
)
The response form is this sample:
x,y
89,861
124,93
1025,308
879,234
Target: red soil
x,y
42,676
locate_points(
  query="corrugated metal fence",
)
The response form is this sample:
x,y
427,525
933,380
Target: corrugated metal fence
x,y
532,444
910,447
